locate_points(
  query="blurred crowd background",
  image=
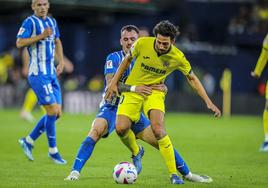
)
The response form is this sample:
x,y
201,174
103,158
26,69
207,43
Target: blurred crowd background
x,y
215,35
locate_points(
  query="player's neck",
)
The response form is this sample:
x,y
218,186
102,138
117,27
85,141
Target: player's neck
x,y
41,17
124,52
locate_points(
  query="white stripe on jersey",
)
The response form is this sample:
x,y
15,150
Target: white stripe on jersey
x,y
42,50
42,53
50,47
33,67
119,57
51,61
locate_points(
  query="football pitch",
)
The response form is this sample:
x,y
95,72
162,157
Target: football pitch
x,y
225,149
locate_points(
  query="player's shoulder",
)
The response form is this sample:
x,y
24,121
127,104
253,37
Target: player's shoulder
x,y
176,52
114,59
29,20
115,55
52,19
265,41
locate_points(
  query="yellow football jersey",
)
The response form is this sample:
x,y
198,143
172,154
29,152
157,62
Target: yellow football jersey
x,y
263,58
149,68
265,42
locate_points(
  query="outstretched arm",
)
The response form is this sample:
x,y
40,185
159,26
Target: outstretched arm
x,y
262,61
198,87
142,90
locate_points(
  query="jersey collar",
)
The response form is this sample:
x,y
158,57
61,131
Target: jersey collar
x,y
40,18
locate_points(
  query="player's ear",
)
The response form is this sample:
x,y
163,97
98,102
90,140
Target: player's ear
x,y
121,43
173,41
32,6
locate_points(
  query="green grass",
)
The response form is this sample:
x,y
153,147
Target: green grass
x,y
227,150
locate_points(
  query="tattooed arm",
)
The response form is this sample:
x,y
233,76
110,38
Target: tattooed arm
x,y
142,90
122,87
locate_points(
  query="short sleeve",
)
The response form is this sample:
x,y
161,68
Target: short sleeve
x,y
265,42
111,65
57,32
184,65
26,29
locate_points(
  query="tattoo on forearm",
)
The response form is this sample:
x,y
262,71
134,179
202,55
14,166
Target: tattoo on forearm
x,y
123,87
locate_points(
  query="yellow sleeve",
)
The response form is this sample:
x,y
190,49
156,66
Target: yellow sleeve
x,y
184,65
263,58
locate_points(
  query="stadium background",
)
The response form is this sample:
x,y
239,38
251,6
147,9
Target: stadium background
x,y
215,35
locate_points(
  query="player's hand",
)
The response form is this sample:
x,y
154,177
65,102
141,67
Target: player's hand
x,y
212,107
60,68
69,68
110,91
24,71
254,75
159,87
47,32
143,90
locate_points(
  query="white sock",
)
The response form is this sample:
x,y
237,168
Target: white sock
x,y
76,172
53,150
29,140
266,138
188,175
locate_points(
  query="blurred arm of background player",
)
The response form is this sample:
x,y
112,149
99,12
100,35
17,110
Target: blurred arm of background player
x,y
68,65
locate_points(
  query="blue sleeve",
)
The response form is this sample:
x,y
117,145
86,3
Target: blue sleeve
x,y
26,29
111,65
57,32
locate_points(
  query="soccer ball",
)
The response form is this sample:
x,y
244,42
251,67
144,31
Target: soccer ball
x,y
125,173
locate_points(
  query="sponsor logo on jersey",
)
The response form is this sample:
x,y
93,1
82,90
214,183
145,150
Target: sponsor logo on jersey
x,y
109,64
166,64
153,69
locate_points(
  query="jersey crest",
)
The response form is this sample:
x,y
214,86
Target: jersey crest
x,y
166,64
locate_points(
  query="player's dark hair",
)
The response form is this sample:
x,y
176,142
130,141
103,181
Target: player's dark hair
x,y
130,28
167,29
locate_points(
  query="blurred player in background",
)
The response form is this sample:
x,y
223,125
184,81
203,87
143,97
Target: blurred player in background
x,y
144,32
30,99
155,58
104,123
40,34
261,63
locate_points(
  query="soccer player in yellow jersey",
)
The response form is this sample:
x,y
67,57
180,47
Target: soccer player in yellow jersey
x,y
262,61
155,58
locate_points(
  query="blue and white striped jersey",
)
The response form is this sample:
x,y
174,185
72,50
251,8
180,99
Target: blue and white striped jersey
x,y
42,52
112,63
